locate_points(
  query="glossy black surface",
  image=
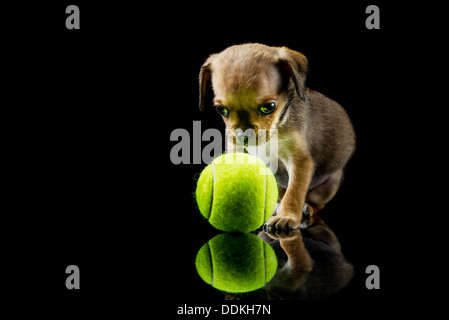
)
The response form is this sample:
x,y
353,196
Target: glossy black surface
x,y
92,180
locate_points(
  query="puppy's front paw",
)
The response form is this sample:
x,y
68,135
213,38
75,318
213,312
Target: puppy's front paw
x,y
282,222
282,234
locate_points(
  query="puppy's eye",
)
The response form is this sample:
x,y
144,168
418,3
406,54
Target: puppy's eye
x,y
267,108
223,111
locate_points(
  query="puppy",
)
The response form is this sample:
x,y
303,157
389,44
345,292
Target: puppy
x,y
260,87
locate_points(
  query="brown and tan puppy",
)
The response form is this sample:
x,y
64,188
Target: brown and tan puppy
x,y
260,87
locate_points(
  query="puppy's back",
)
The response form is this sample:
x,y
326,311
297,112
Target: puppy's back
x,y
330,133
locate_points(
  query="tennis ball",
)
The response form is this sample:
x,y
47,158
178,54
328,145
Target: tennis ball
x,y
236,262
237,192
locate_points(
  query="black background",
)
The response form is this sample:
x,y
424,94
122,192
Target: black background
x,y
93,110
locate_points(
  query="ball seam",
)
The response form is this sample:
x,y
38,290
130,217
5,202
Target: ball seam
x,y
265,200
211,265
213,191
264,262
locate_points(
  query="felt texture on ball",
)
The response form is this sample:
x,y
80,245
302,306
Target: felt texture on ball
x,y
236,262
237,192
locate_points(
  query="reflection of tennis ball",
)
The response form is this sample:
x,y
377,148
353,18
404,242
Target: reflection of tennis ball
x,y
236,262
237,192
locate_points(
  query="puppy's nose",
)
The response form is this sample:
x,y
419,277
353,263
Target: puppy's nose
x,y
245,136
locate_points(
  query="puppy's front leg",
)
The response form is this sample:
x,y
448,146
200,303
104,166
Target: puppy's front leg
x,y
300,172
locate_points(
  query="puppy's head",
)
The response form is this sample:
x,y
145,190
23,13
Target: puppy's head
x,y
253,84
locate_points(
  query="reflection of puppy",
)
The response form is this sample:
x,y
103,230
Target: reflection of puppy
x,y
260,87
293,280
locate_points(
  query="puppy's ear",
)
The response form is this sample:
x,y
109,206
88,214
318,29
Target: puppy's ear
x,y
294,65
205,76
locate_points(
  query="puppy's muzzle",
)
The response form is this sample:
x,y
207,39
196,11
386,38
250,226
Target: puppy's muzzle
x,y
245,136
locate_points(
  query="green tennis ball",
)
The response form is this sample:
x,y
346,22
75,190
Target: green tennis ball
x,y
236,262
237,192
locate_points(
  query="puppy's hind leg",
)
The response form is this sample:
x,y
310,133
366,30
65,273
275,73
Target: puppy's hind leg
x,y
322,193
